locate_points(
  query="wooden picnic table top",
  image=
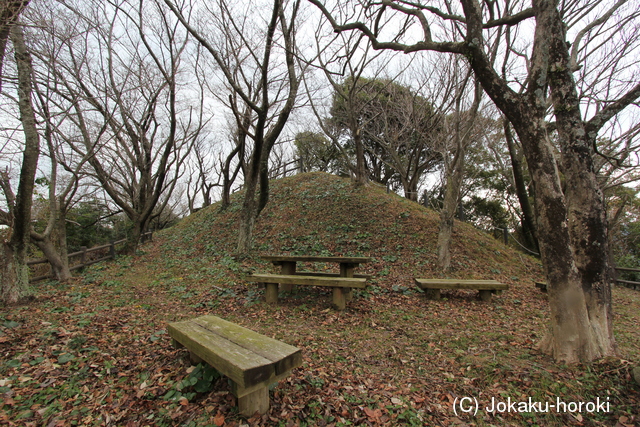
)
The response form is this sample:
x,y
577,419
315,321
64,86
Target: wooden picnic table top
x,y
305,258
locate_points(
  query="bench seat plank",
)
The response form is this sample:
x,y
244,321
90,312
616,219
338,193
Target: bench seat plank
x,y
284,357
542,286
240,365
485,287
341,285
328,274
331,281
326,259
235,357
461,284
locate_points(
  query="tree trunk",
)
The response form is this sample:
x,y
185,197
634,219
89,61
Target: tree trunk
x,y
572,337
247,219
528,221
569,337
53,242
250,206
579,313
449,205
585,202
15,277
59,262
361,170
134,239
410,188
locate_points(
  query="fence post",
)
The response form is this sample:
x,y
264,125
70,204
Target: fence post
x,y
425,199
388,190
83,257
112,249
505,233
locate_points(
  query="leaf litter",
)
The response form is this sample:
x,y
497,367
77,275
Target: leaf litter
x,y
94,351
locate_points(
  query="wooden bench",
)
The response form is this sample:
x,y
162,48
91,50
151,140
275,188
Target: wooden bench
x,y
250,360
542,286
432,287
327,274
341,285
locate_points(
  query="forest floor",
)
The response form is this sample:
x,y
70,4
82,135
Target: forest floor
x,y
95,351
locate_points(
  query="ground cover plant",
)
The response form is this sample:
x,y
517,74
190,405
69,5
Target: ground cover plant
x,y
94,351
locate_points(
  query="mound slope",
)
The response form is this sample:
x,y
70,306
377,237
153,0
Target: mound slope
x,y
322,214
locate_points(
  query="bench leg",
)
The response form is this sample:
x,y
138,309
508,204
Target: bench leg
x,y
348,294
485,295
288,268
194,358
433,294
346,270
256,401
339,300
271,293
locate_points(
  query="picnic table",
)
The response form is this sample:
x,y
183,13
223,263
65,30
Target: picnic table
x,y
342,282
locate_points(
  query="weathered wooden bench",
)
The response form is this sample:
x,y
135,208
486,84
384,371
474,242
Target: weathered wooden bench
x,y
250,360
542,286
327,274
341,285
432,287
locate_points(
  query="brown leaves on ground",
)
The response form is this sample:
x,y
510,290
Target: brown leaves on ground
x,y
95,352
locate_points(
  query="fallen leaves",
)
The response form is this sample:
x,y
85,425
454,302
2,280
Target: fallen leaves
x,y
98,354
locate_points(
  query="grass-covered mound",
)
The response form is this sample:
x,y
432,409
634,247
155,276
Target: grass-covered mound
x,y
95,351
322,214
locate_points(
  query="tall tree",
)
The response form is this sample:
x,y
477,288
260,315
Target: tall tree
x,y
259,69
315,152
14,274
459,131
118,77
529,229
9,12
397,128
572,228
349,67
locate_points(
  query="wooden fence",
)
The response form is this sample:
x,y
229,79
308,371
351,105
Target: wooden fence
x,y
85,258
629,283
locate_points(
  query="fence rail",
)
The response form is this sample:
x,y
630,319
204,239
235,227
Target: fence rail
x,y
628,283
84,259
628,269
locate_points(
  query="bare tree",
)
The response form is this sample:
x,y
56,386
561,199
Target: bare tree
x,y
350,68
9,13
14,274
52,241
458,131
263,93
528,222
572,228
118,76
200,175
